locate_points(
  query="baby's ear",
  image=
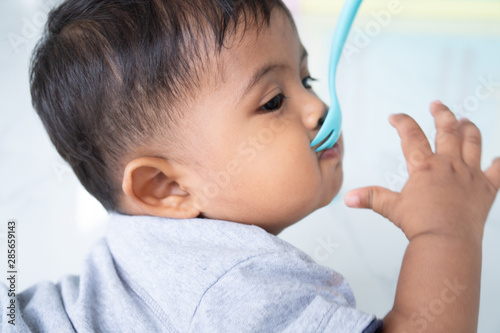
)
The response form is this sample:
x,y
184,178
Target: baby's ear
x,y
151,185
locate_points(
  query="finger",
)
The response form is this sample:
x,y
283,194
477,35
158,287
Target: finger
x,y
471,143
415,145
376,198
447,132
493,173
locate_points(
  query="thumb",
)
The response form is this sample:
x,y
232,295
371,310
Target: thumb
x,y
376,198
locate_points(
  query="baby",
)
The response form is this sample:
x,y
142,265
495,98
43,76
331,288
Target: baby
x,y
191,121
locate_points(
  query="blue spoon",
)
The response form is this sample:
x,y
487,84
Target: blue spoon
x,y
333,122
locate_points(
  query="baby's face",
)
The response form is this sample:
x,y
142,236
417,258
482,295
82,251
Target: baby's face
x,y
251,133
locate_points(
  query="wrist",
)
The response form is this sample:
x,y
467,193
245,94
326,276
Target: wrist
x,y
467,233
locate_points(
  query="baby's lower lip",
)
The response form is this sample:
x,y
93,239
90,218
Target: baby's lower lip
x,y
333,152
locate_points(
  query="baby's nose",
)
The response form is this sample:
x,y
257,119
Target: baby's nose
x,y
313,112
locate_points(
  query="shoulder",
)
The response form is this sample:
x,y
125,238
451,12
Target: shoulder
x,y
280,290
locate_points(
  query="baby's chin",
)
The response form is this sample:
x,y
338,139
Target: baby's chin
x,y
335,189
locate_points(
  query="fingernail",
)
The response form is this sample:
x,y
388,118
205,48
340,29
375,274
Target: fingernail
x,y
352,201
392,118
438,102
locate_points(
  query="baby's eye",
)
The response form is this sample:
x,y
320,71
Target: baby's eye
x,y
275,104
306,82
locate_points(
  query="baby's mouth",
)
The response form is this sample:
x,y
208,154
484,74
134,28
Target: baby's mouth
x,y
334,152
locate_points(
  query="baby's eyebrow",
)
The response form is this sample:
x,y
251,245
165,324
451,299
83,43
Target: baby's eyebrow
x,y
266,69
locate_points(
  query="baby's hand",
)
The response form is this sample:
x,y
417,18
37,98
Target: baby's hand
x,y
447,193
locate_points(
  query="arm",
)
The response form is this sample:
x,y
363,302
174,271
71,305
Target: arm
x,y
442,210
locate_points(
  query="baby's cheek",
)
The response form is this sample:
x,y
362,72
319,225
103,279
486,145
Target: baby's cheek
x,y
300,183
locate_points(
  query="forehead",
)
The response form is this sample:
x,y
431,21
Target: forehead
x,y
275,44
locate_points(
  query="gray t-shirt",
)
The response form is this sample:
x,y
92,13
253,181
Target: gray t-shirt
x,y
153,274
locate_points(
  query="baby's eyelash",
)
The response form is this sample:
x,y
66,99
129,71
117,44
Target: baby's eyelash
x,y
274,104
306,80
277,101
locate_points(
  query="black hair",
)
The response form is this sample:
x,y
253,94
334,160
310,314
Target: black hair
x,y
108,75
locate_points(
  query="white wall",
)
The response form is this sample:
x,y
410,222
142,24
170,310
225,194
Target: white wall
x,y
407,65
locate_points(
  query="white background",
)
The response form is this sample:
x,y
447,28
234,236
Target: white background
x,y
402,67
